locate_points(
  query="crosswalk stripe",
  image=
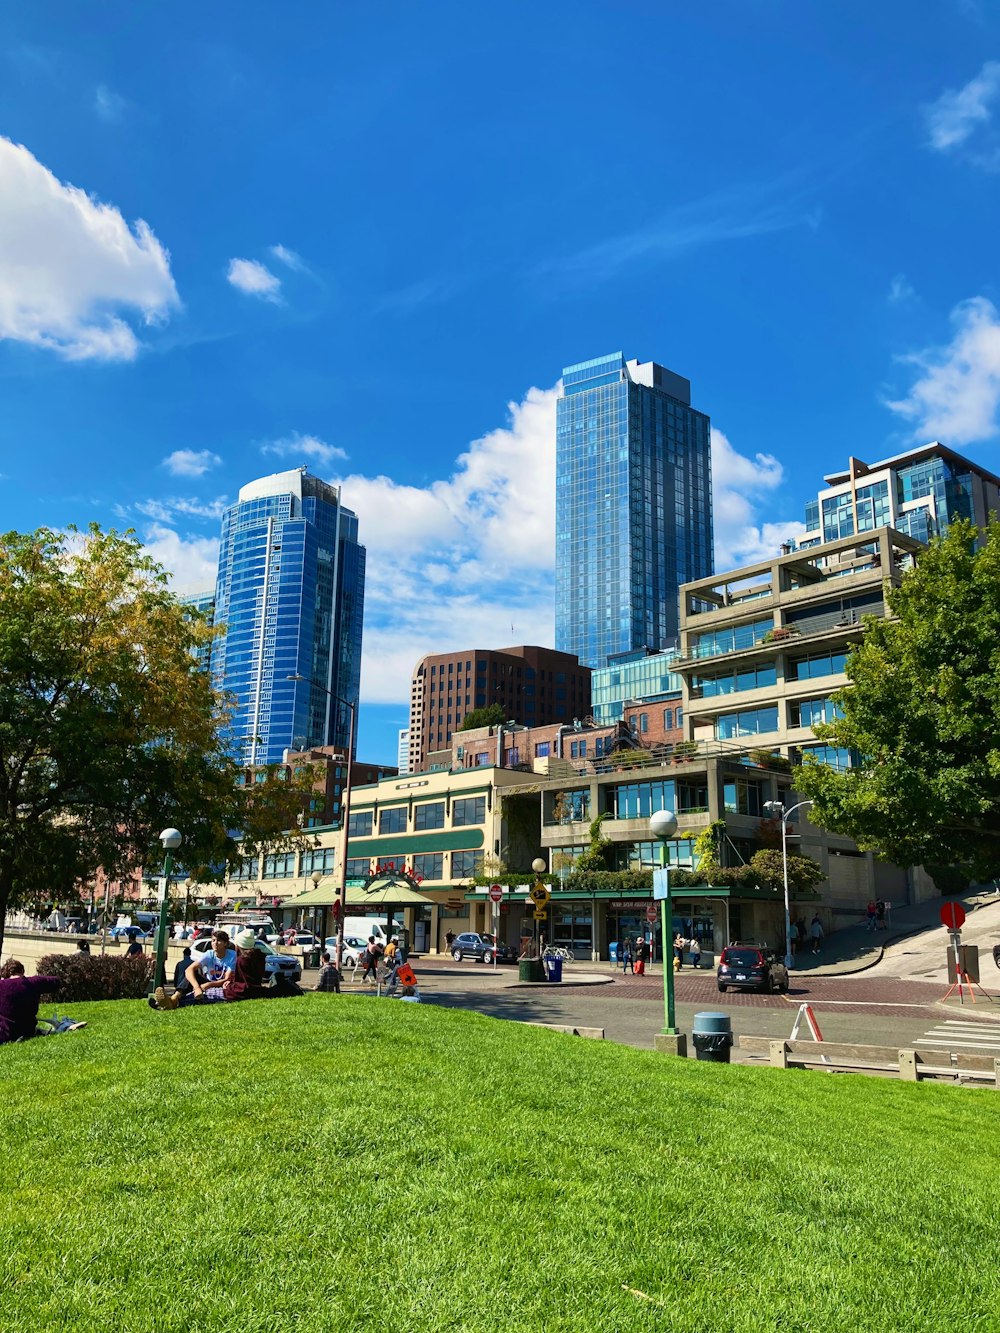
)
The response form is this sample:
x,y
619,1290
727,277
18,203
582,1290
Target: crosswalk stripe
x,y
954,1042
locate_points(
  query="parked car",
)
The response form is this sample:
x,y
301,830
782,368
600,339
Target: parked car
x,y
275,964
748,967
482,947
353,948
127,931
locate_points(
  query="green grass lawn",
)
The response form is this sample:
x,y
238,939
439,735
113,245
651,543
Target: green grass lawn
x,y
347,1163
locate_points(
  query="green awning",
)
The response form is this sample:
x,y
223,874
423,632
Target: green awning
x,y
386,892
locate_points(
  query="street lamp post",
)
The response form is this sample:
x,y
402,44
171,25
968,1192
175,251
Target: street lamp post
x,y
345,811
663,826
777,808
171,839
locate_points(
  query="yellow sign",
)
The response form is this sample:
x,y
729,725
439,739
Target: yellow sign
x,y
539,894
540,914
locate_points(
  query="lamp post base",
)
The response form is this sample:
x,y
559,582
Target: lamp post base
x,y
670,1043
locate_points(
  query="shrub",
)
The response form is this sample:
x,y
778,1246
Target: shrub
x,y
98,977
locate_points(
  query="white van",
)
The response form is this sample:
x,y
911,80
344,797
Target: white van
x,y
363,926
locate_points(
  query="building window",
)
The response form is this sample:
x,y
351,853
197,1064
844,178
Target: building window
x,y
755,722
741,797
279,866
820,664
470,810
360,825
322,859
668,719
831,755
484,759
638,800
679,716
643,721
429,866
358,867
578,749
542,749
466,864
811,712
680,854
392,820
249,868
428,815
568,807
733,639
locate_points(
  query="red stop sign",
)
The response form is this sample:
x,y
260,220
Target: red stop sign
x,y
953,916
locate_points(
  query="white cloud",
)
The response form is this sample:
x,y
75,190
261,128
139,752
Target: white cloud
x,y
192,561
191,462
738,485
956,395
469,559
166,510
108,105
953,118
901,291
253,278
70,264
288,257
304,447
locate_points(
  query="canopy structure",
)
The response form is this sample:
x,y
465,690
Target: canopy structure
x,y
386,892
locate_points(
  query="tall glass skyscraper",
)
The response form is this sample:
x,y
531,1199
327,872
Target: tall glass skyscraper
x,y
633,506
291,594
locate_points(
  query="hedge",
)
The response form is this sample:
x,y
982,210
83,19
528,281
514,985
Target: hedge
x,y
87,976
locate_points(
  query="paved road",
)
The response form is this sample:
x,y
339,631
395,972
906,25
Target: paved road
x,y
865,1008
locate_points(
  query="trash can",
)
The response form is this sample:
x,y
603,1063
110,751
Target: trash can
x,y
553,966
530,969
312,958
712,1035
613,951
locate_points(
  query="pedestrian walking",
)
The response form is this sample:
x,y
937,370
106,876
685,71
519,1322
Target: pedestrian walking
x,y
816,933
880,914
628,960
695,950
370,959
641,954
679,943
871,914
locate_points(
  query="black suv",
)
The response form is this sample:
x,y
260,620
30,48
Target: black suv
x,y
747,967
483,947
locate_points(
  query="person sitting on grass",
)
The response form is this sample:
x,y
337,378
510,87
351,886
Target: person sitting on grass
x,y
247,979
19,1000
207,977
329,975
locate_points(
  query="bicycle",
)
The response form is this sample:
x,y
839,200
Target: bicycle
x,y
558,951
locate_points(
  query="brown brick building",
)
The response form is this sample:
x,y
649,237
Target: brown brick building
x,y
533,685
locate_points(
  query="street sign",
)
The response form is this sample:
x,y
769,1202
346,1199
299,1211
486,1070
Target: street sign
x,y
661,884
539,894
540,914
496,893
953,916
650,913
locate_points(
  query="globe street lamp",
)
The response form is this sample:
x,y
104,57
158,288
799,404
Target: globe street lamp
x,y
171,839
779,812
663,826
539,867
344,812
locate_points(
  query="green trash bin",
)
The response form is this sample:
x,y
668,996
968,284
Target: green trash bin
x,y
530,969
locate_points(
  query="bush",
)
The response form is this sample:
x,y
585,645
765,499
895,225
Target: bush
x,y
98,977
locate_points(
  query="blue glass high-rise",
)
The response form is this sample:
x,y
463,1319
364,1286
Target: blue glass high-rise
x,y
633,506
290,592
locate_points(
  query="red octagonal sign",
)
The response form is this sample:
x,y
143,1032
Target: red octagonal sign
x,y
496,893
953,915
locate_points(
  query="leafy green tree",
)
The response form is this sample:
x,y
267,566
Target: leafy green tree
x,y
491,716
768,869
109,729
923,713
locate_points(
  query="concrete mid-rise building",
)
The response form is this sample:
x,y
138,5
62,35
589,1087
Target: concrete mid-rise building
x,y
532,685
918,493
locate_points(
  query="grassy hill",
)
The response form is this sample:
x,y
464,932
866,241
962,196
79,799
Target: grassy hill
x,y
339,1163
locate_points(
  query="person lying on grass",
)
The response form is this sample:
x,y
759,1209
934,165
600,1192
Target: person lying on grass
x,y
19,999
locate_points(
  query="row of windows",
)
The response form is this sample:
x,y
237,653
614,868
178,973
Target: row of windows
x,y
465,811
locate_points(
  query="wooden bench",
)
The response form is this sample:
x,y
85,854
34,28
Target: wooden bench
x,y
910,1064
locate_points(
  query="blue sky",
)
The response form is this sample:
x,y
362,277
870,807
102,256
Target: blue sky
x,y
368,236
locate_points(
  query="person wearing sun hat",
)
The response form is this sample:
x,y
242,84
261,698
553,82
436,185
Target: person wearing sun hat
x,y
247,979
